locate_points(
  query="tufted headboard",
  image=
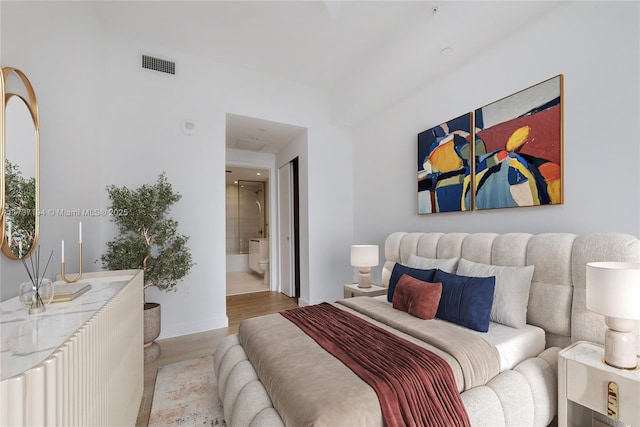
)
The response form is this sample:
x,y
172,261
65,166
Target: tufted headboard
x,y
557,295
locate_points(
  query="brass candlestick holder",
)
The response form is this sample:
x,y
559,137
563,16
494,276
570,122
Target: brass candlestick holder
x,y
62,275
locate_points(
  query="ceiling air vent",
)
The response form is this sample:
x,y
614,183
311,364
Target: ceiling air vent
x,y
158,64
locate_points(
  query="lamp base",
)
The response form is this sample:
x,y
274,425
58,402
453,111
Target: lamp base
x,y
620,347
635,368
364,277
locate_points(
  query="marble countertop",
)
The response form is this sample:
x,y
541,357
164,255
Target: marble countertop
x,y
592,355
27,340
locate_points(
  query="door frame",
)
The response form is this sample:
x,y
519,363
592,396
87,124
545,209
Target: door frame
x,y
296,226
291,247
273,230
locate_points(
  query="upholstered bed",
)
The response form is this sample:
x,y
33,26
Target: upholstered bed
x,y
273,373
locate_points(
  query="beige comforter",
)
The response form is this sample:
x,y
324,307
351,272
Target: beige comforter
x,y
308,386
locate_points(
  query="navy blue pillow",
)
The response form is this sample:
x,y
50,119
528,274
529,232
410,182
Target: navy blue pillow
x,y
399,270
465,300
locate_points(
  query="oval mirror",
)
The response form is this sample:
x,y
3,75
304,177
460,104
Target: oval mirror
x,y
1,157
20,173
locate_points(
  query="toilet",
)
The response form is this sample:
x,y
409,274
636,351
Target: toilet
x,y
264,267
259,257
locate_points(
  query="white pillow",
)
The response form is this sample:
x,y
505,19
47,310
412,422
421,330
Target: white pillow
x,y
447,265
511,295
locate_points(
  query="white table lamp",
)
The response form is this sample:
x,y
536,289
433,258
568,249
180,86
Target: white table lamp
x,y
613,290
364,257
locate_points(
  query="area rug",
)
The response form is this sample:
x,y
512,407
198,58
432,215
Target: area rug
x,y
186,394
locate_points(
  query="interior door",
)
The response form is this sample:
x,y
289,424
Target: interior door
x,y
286,230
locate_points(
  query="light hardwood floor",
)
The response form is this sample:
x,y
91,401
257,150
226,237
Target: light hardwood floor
x,y
243,282
239,307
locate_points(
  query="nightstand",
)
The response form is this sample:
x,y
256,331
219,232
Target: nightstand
x,y
352,290
583,385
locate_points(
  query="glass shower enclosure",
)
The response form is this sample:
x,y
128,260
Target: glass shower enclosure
x,y
252,222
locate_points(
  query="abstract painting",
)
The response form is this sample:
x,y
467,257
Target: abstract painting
x,y
518,158
444,166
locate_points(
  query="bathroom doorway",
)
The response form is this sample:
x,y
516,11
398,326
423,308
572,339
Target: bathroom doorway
x,y
247,230
258,143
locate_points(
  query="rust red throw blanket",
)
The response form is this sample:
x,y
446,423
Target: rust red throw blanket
x,y
415,386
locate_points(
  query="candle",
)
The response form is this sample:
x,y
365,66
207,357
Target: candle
x,y
20,248
80,232
63,251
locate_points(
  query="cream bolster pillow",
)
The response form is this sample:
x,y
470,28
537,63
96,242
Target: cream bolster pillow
x,y
447,265
511,295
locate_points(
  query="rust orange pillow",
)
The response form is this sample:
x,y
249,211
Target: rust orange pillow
x,y
417,297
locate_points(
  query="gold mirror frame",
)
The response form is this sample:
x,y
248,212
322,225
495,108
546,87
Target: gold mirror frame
x,y
32,107
1,156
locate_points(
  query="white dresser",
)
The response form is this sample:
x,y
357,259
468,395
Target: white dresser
x,y
79,363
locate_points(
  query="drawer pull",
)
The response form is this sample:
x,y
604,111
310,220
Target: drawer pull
x,y
612,400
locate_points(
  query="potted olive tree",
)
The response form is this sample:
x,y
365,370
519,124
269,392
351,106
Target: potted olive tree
x,y
149,240
19,213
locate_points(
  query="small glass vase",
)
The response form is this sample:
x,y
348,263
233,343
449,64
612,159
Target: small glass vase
x,y
36,299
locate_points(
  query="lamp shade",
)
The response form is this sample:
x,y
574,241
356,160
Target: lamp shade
x,y
613,289
364,255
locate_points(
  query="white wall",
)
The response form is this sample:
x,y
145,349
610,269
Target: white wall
x,y
105,121
330,204
64,70
326,211
596,47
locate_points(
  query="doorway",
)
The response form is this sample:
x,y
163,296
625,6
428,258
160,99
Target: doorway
x,y
253,142
289,229
247,230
